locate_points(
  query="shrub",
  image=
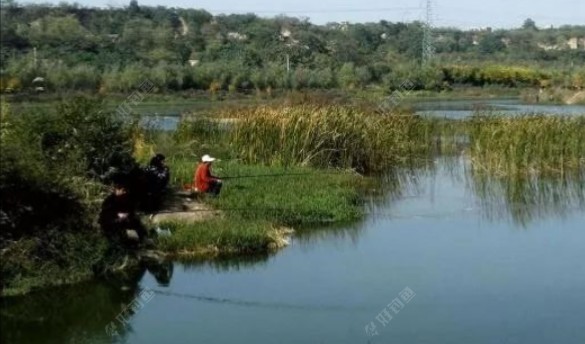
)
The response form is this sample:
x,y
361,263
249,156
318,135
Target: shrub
x,y
48,188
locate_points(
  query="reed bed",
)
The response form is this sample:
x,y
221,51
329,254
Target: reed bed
x,y
328,136
527,144
357,137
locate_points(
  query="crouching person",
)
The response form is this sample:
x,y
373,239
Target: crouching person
x,y
118,216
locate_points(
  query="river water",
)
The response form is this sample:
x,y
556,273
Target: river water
x,y
168,118
450,256
457,109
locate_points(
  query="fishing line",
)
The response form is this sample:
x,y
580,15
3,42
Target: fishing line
x,y
321,218
389,215
259,304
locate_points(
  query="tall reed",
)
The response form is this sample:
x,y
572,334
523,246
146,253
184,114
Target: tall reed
x,y
528,144
328,136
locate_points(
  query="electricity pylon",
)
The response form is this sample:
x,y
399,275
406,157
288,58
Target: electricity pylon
x,y
428,50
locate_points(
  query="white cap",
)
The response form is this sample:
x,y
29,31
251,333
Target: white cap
x,y
207,158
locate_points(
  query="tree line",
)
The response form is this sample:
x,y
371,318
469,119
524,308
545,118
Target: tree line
x,y
112,49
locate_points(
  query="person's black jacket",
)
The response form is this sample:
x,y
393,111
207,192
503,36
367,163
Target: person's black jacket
x,y
113,205
158,178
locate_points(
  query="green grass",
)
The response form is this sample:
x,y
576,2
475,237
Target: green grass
x,y
57,259
254,208
218,236
296,196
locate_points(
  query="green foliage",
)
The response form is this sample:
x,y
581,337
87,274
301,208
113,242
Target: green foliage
x,y
526,145
327,136
51,258
50,191
4,120
529,24
217,236
347,76
115,49
495,74
491,43
57,31
82,133
293,197
257,201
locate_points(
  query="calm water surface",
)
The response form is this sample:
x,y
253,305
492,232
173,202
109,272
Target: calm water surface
x,y
168,119
457,109
485,267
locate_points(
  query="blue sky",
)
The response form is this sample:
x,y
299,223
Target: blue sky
x,y
459,13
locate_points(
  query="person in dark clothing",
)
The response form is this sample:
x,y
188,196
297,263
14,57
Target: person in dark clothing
x,y
157,176
118,215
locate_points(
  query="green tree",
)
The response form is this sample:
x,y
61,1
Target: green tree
x,y
133,8
491,43
529,24
347,76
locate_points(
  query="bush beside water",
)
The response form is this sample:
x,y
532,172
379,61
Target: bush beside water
x,y
53,165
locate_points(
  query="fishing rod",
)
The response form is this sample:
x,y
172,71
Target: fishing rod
x,y
269,175
273,175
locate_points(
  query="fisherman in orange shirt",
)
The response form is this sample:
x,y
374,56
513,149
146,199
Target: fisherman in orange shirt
x,y
205,182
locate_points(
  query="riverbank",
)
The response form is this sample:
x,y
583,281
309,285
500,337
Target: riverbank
x,y
253,216
260,206
290,166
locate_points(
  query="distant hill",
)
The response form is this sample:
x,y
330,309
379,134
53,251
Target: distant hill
x,y
76,47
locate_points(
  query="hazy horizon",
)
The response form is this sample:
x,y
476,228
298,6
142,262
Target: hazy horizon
x,y
446,13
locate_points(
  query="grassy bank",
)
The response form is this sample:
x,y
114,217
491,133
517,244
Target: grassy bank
x,y
299,164
295,196
219,237
258,203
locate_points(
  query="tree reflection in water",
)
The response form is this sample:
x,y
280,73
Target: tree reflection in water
x,y
79,313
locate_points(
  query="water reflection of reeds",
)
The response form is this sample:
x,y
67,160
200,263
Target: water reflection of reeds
x,y
527,198
522,198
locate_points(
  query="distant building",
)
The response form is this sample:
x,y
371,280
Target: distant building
x,y
576,43
475,40
573,43
548,47
285,33
236,36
